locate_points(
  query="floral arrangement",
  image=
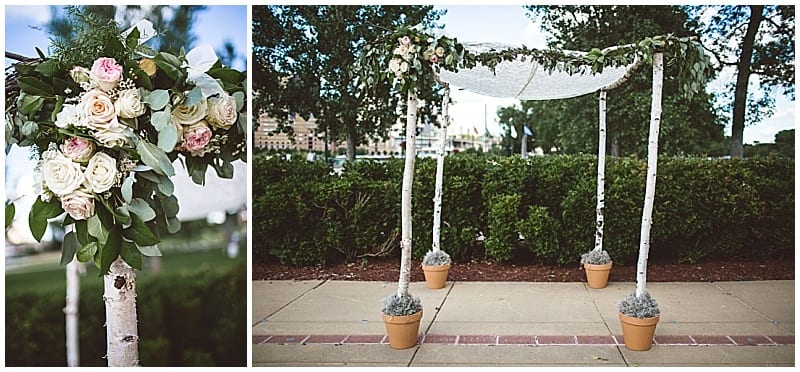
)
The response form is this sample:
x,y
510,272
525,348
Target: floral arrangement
x,y
106,134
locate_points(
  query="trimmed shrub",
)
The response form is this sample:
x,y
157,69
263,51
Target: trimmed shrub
x,y
503,235
541,233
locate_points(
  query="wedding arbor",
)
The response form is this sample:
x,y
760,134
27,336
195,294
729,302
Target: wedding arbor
x,y
415,59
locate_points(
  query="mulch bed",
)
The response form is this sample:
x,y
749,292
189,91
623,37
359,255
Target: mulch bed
x,y
388,269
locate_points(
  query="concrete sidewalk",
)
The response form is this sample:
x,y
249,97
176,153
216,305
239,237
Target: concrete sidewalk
x,y
338,323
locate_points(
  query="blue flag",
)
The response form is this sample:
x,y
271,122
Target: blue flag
x,y
528,131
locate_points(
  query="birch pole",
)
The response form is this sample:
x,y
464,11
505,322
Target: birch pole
x,y
524,146
405,209
71,312
601,173
122,334
437,194
652,166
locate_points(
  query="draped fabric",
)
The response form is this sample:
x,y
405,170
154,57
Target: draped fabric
x,y
527,80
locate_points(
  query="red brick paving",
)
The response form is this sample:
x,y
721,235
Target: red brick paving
x,y
783,340
555,340
713,340
596,340
364,339
517,340
751,340
673,340
286,339
440,339
477,340
325,339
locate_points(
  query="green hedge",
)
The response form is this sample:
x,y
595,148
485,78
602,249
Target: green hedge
x,y
197,319
704,208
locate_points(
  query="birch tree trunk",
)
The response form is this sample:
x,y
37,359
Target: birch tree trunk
x,y
405,209
652,166
601,173
524,146
71,312
122,335
437,194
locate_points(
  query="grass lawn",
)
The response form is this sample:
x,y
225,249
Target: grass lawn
x,y
44,274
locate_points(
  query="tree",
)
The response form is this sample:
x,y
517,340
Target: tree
x,y
758,40
301,60
690,125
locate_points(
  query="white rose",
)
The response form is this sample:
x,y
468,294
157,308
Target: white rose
x,y
79,204
70,115
403,67
222,112
114,136
59,173
129,105
98,109
101,172
394,65
188,115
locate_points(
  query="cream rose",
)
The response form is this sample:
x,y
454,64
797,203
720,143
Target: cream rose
x,y
196,138
101,172
78,149
70,115
79,74
105,73
59,173
188,115
79,204
222,112
129,105
114,136
98,109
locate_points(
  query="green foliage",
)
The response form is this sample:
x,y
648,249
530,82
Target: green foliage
x,y
503,235
704,208
540,230
189,319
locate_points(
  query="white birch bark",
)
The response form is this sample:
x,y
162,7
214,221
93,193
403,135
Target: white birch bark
x,y
437,194
71,312
601,174
405,209
652,166
524,146
122,335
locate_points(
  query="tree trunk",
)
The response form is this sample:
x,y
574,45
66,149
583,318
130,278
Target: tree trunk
x,y
122,335
350,144
614,144
408,181
652,170
524,146
437,194
601,173
71,312
742,78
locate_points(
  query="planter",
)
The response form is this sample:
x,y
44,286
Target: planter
x,y
402,330
435,276
597,275
638,332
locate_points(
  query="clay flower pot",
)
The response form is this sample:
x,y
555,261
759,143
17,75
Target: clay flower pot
x,y
435,276
638,332
597,275
403,330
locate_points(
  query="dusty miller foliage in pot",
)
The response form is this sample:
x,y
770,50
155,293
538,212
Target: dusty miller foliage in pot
x,y
639,307
401,306
436,258
594,257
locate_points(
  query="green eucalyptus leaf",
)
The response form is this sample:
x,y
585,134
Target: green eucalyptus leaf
x,y
170,206
87,252
69,247
158,99
155,157
165,186
150,250
29,128
194,97
239,97
31,104
123,215
140,207
96,229
173,225
168,138
127,187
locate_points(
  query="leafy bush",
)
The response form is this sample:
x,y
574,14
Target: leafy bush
x,y
541,232
503,235
195,319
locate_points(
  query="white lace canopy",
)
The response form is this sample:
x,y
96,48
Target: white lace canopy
x,y
527,80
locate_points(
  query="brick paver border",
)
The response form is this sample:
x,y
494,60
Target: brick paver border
x,y
525,340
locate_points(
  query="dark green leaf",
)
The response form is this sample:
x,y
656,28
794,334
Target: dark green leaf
x,y
69,247
169,64
82,232
226,74
110,250
87,252
11,210
40,212
31,104
131,255
47,68
34,86
140,233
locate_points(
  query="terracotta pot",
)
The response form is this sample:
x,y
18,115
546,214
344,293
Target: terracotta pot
x,y
638,332
597,275
403,330
435,276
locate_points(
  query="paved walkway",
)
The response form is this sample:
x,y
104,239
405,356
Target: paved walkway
x,y
338,323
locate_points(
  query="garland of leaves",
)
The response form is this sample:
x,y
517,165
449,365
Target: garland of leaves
x,y
407,50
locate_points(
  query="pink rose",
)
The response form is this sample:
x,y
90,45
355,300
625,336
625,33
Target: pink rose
x,y
78,149
99,110
196,138
79,204
405,40
106,73
434,59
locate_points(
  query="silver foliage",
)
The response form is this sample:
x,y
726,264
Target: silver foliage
x,y
595,257
436,258
400,306
639,307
